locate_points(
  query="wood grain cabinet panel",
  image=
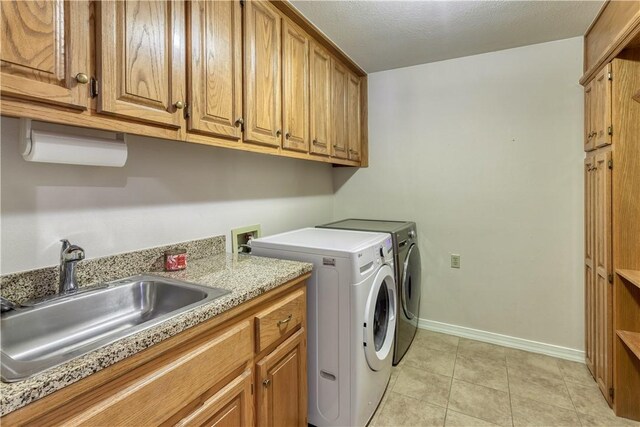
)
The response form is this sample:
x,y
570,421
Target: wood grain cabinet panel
x,y
141,60
280,319
45,45
320,99
353,117
590,290
295,87
230,407
600,108
588,117
339,94
262,74
282,391
603,274
214,68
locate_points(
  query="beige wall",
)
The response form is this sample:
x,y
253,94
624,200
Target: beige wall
x,y
167,192
484,153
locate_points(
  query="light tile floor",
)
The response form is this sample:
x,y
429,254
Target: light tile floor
x,y
449,381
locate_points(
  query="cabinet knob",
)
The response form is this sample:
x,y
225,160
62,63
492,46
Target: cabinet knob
x,y
239,122
179,105
82,78
278,132
266,382
287,135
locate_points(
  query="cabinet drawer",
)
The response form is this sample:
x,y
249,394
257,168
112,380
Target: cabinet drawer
x,y
157,394
283,316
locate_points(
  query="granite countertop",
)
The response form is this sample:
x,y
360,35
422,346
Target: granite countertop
x,y
245,276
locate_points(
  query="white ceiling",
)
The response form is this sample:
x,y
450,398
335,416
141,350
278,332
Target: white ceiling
x,y
381,35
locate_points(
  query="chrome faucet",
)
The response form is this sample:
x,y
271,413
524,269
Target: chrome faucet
x,y
69,256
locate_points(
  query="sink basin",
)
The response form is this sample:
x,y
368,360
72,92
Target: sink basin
x,y
57,330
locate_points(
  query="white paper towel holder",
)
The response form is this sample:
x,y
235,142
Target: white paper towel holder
x,y
72,149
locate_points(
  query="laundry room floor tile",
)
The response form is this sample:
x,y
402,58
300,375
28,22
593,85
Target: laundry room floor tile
x,y
427,359
480,371
480,402
528,412
449,381
406,411
422,385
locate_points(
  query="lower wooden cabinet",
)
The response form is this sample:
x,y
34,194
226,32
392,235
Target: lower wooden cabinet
x,y
282,384
214,374
230,407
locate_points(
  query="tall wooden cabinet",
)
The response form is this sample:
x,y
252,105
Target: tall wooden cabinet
x,y
612,231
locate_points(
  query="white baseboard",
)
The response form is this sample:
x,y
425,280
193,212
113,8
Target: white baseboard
x,y
503,340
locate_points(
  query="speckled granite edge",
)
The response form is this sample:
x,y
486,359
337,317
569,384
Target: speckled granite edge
x,y
245,276
27,285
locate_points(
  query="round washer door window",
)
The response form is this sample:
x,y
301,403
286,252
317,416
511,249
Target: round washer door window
x,y
380,319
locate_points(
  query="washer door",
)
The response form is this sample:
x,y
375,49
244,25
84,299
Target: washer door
x,y
410,291
380,319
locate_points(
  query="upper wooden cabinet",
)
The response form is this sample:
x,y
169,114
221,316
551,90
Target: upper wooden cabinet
x,y
320,99
588,117
262,73
141,61
214,68
295,87
340,136
597,113
253,75
45,51
354,117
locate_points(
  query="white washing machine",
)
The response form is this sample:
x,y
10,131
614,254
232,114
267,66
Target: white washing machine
x,y
351,318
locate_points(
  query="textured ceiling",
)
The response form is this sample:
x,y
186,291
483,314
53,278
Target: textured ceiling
x,y
381,35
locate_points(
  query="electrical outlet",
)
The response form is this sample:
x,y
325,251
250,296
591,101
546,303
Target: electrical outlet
x,y
240,238
455,261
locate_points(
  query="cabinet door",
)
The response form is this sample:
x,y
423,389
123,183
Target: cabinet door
x,y
601,108
295,87
214,68
320,99
282,384
262,74
603,286
45,45
589,260
588,117
229,407
353,116
339,79
141,66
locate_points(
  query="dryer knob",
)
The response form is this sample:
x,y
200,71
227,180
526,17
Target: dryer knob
x,y
412,234
381,252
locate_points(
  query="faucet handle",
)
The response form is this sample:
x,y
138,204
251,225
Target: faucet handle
x,y
70,252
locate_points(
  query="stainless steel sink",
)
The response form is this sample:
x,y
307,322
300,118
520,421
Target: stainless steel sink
x,y
57,330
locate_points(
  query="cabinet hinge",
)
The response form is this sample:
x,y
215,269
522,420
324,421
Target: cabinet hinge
x,y
610,164
611,393
610,130
93,88
609,76
241,3
610,278
252,389
187,111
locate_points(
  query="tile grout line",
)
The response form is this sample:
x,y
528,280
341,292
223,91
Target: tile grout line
x,y
455,361
506,366
575,409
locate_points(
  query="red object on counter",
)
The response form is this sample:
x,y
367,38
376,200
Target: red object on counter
x,y
175,259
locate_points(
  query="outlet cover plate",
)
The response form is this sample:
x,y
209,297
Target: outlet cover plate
x,y
455,261
238,233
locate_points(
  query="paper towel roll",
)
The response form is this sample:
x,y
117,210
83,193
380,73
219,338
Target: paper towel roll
x,y
51,147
